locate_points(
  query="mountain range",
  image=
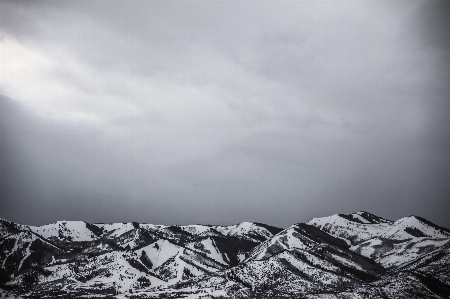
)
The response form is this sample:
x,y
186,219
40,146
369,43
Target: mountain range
x,y
357,255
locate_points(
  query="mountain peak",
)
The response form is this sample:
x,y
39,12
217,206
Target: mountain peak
x,y
364,218
240,260
415,227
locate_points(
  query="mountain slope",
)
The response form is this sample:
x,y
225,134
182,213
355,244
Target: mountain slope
x,y
356,255
354,228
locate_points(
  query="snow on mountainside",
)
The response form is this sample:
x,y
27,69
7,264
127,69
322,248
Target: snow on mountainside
x,y
65,230
298,236
352,227
7,228
308,259
413,226
404,241
356,255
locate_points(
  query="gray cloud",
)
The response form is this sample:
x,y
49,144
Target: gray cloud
x,y
221,112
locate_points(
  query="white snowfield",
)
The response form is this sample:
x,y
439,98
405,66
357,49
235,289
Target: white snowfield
x,y
351,230
390,244
209,248
282,241
397,229
113,230
75,230
244,230
160,251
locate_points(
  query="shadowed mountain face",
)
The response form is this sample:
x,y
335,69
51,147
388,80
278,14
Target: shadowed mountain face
x,y
340,256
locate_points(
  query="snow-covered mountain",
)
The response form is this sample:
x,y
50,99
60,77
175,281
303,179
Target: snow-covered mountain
x,y
356,255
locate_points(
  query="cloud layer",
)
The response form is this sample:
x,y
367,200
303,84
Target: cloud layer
x,y
222,112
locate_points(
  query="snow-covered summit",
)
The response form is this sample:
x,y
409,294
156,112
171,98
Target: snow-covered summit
x,y
65,230
354,227
414,227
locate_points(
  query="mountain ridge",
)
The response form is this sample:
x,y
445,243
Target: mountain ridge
x,y
342,255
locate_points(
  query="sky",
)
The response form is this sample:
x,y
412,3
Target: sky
x,y
219,112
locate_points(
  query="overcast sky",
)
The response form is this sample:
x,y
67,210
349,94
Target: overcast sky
x,y
218,112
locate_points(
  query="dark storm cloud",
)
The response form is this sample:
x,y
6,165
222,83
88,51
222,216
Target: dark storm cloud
x,y
221,112
72,171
